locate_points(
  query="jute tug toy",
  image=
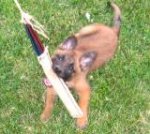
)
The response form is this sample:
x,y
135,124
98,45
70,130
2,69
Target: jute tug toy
x,y
33,28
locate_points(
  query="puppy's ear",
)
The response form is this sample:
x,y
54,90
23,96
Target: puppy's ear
x,y
87,59
69,44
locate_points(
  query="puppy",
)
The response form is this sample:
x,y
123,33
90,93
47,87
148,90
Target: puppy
x,y
80,54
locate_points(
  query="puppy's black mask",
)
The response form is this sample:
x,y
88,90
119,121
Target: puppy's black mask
x,y
63,66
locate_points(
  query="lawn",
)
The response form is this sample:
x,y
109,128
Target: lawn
x,y
120,101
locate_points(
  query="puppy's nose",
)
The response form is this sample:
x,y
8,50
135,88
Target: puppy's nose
x,y
57,69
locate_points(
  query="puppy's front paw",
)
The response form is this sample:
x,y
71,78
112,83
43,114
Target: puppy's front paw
x,y
82,123
45,117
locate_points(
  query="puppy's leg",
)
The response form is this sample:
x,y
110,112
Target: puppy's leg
x,y
84,97
50,98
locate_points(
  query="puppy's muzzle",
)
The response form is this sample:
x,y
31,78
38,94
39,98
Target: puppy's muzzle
x,y
64,74
57,69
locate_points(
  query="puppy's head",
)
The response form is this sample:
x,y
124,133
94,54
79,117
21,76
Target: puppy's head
x,y
65,60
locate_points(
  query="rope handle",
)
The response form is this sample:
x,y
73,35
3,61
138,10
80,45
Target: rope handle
x,y
28,19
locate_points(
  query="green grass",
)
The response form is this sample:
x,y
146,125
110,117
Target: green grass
x,y
120,101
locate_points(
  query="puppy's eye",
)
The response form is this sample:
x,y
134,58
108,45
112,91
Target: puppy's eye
x,y
60,57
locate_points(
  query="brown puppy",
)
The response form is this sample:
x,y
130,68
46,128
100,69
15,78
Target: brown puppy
x,y
80,54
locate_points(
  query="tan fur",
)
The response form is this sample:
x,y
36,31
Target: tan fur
x,y
103,40
98,38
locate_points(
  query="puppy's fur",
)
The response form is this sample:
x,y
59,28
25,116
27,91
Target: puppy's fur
x,y
80,54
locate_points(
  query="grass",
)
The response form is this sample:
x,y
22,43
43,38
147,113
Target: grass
x,y
120,101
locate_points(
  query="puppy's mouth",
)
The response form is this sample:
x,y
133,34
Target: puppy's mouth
x,y
65,77
65,74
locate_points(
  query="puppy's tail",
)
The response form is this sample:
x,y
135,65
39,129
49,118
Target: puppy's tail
x,y
117,17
